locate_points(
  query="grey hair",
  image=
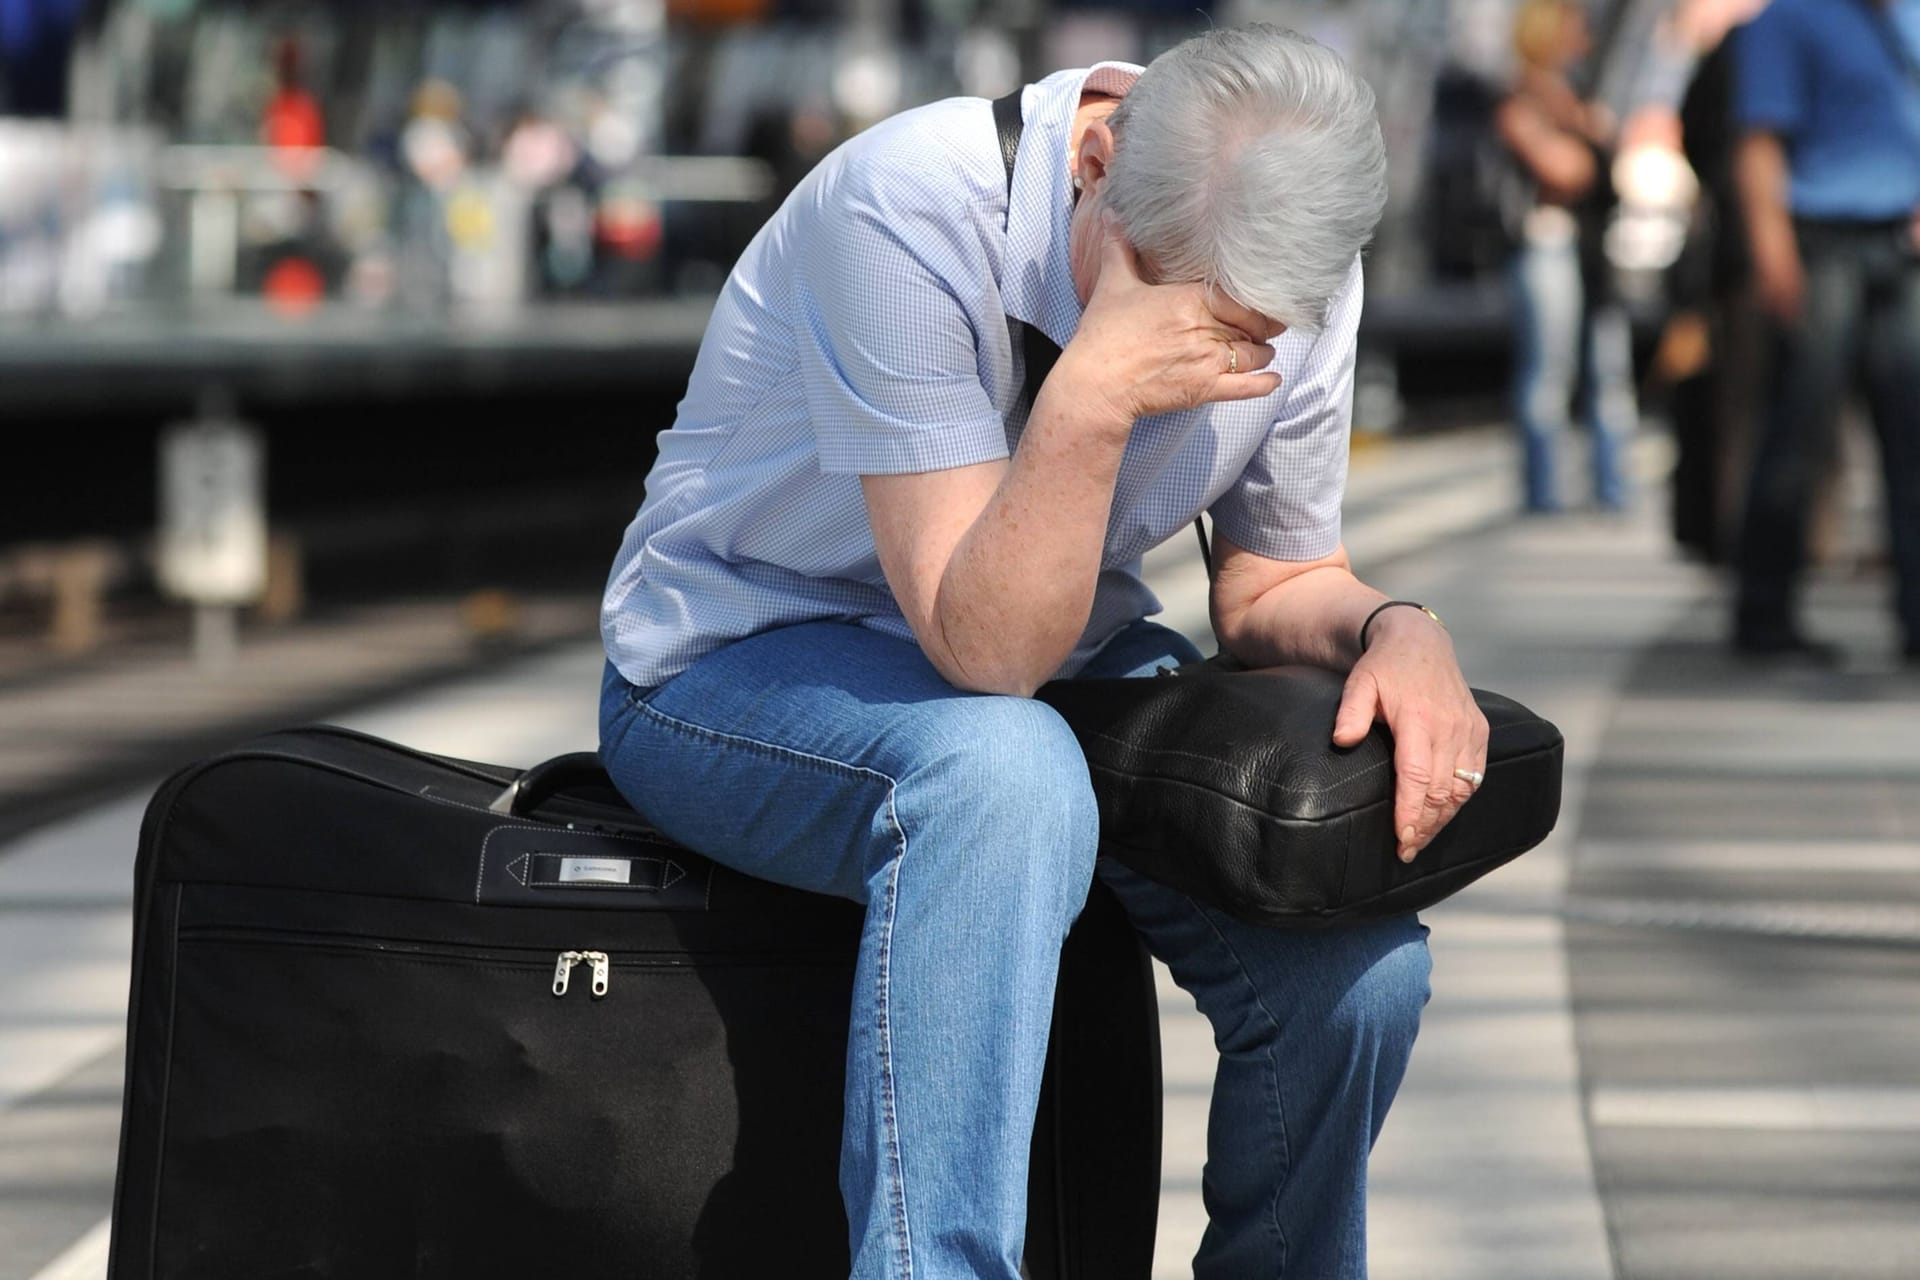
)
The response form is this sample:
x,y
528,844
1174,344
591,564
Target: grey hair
x,y
1249,159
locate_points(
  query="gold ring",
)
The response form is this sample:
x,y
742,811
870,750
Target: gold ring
x,y
1233,359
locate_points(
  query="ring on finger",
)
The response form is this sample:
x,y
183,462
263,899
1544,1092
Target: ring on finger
x,y
1472,777
1233,358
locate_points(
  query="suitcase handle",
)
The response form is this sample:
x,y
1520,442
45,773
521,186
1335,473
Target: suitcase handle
x,y
547,779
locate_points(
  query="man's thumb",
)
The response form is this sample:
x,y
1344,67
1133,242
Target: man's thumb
x,y
1357,707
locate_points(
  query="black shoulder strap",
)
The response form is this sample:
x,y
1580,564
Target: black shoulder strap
x,y
1008,124
1040,351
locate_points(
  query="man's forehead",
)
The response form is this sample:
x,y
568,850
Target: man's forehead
x,y
1259,324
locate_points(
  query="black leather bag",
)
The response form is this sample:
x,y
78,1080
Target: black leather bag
x,y
1226,785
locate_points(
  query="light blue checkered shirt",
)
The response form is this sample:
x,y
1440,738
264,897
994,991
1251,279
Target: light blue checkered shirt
x,y
864,332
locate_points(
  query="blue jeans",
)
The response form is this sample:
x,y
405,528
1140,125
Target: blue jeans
x,y
836,759
1557,330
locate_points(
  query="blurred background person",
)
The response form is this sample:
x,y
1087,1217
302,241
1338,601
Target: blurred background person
x,y
1713,396
1828,170
1568,328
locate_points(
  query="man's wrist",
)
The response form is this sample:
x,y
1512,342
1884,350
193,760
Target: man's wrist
x,y
1392,618
1079,392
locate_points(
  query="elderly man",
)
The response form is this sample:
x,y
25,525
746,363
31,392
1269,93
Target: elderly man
x,y
861,551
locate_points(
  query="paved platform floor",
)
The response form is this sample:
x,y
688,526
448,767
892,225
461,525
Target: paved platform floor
x,y
1680,1040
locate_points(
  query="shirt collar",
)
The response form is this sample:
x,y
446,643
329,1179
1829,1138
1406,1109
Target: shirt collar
x,y
1037,284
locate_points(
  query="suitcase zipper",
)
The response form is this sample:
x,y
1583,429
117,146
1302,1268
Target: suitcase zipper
x,y
568,959
600,964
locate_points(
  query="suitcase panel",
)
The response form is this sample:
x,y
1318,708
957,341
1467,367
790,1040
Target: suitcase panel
x,y
516,1126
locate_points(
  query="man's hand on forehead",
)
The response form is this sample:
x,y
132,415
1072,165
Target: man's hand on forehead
x,y
1245,321
1148,349
1256,326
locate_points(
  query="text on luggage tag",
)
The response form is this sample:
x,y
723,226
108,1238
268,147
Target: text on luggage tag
x,y
596,871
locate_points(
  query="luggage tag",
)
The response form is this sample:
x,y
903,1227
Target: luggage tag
x,y
526,865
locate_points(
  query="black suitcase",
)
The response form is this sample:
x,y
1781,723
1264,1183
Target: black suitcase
x,y
395,1014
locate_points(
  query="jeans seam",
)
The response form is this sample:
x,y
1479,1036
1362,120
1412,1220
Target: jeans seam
x,y
1273,1076
896,1173
770,750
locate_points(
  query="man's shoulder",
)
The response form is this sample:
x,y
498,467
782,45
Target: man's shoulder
x,y
936,153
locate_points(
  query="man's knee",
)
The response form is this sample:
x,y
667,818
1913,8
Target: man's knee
x,y
1388,986
1010,787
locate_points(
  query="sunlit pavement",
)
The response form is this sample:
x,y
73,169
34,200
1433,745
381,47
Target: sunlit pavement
x,y
1678,1040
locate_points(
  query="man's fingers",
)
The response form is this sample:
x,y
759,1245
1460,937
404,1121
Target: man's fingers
x,y
1429,791
1245,386
1239,365
1414,782
1472,760
1437,736
1241,355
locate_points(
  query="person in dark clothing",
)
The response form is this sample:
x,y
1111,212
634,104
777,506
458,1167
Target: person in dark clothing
x,y
1828,169
1713,401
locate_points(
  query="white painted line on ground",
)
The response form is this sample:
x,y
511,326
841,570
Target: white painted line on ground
x,y
1830,1109
1837,921
85,1258
1785,857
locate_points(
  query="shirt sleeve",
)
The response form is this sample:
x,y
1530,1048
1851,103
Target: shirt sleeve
x,y
1286,503
889,356
1770,79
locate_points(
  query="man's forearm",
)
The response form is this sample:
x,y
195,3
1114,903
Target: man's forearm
x,y
1313,617
996,564
1015,596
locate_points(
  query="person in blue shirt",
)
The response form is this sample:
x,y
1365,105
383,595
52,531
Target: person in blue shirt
x,y
1828,170
862,550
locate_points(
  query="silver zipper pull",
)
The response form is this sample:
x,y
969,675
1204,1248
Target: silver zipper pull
x,y
601,969
563,968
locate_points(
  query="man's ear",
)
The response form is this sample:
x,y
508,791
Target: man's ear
x,y
1096,153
